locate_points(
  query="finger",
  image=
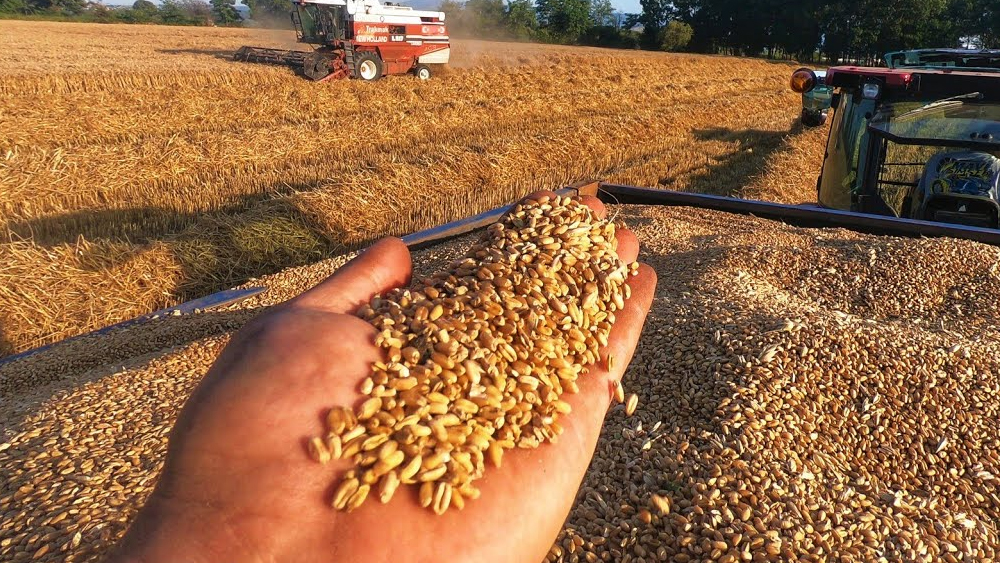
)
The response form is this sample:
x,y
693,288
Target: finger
x,y
628,245
561,466
591,403
595,204
582,426
629,321
383,266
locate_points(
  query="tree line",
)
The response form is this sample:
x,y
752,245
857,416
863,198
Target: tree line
x,y
168,12
808,30
838,30
832,30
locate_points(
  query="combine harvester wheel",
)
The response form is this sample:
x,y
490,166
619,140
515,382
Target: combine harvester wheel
x,y
423,72
369,67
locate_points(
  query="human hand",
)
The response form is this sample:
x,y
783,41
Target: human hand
x,y
238,486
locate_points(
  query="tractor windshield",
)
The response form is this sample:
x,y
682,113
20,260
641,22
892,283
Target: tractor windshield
x,y
956,123
949,146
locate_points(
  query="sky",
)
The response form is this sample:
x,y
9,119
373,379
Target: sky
x,y
627,6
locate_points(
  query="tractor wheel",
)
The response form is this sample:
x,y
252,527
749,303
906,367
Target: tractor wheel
x,y
423,72
317,66
368,66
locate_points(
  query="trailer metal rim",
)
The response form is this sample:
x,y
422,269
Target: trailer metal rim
x,y
368,70
423,73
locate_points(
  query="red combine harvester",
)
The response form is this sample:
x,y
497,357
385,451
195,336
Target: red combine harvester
x,y
362,39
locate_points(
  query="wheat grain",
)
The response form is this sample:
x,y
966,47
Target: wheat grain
x,y
531,262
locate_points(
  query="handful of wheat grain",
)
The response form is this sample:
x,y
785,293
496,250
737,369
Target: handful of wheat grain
x,y
478,357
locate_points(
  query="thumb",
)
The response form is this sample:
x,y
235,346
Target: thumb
x,y
383,266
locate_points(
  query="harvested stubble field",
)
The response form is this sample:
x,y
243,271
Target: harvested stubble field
x,y
804,395
139,167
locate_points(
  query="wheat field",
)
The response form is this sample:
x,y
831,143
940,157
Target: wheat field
x,y
140,167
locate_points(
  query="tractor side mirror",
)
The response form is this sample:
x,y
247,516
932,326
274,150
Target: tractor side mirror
x,y
835,100
803,80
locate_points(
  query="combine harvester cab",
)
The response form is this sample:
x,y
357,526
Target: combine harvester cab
x,y
362,39
918,139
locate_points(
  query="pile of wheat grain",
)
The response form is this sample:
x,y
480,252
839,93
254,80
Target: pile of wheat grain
x,y
805,396
790,408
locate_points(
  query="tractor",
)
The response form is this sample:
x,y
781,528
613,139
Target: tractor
x,y
361,39
917,139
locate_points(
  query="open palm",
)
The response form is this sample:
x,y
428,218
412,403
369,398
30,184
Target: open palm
x,y
238,485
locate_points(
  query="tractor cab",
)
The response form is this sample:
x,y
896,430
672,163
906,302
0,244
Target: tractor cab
x,y
919,139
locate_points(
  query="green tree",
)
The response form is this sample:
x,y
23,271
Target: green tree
x,y
798,31
987,31
963,20
655,14
676,36
145,8
566,20
172,13
602,12
611,36
631,20
486,17
186,12
455,17
62,7
273,12
521,21
491,18
100,13
198,11
224,12
14,7
131,15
